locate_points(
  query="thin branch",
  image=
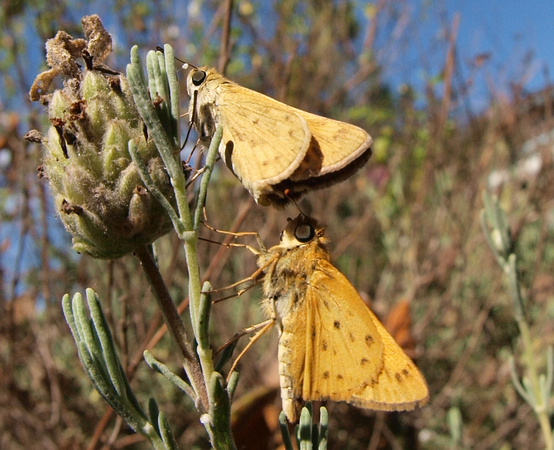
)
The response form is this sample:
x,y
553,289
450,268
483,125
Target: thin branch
x,y
175,325
224,48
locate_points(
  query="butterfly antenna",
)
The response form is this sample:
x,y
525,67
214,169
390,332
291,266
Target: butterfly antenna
x,y
187,136
295,203
192,119
185,65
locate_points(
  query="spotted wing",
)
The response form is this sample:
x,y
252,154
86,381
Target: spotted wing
x,y
264,141
400,386
341,144
344,351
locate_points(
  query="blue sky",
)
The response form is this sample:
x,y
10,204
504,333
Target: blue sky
x,y
518,35
502,27
508,30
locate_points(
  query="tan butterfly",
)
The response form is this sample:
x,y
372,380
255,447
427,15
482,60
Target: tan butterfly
x,y
278,152
331,346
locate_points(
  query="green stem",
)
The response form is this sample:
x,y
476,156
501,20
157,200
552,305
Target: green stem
x,y
200,372
539,405
165,147
211,159
175,326
190,244
204,349
535,391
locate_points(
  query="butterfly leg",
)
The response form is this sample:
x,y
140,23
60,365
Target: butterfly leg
x,y
265,326
242,333
195,176
238,234
237,294
254,278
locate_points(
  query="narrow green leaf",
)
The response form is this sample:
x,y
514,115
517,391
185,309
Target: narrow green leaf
x,y
285,433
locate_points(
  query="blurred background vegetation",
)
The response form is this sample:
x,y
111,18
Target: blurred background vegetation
x,y
405,230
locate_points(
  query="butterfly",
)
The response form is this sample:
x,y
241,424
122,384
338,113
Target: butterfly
x,y
331,345
278,152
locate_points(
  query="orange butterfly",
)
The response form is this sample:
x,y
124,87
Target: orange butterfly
x,y
278,152
331,346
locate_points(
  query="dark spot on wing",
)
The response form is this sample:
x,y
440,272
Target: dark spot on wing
x,y
324,345
364,361
340,377
326,375
398,377
369,339
336,324
351,336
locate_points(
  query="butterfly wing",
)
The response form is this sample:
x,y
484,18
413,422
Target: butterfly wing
x,y
344,349
340,143
264,141
330,347
400,387
336,151
393,383
338,350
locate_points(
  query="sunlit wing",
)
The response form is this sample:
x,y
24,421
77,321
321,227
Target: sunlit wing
x,y
264,141
344,348
400,387
337,150
340,143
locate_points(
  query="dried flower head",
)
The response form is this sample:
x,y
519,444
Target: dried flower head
x,y
97,189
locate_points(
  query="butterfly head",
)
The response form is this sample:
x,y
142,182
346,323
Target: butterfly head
x,y
300,231
202,84
200,77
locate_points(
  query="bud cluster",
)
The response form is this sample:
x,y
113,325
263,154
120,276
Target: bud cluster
x,y
97,188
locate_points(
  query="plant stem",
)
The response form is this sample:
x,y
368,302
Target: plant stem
x,y
540,407
535,390
175,325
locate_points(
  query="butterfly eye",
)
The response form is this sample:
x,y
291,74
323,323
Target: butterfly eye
x,y
198,77
304,232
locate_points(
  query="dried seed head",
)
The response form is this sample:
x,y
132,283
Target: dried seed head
x,y
97,189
